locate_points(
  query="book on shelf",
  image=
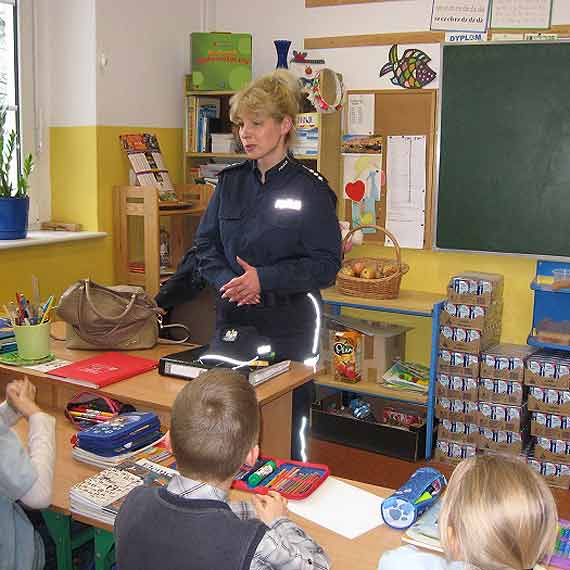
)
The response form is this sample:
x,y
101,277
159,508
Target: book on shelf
x,y
407,376
103,369
146,161
100,497
201,112
307,127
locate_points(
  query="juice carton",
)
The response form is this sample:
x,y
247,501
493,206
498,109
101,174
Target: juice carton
x,y
347,356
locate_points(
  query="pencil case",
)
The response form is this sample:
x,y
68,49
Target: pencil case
x,y
119,429
401,509
293,480
82,409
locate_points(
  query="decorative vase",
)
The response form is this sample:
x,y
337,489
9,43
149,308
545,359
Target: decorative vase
x,y
282,47
14,217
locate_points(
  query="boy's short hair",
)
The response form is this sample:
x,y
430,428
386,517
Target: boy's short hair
x,y
214,424
500,512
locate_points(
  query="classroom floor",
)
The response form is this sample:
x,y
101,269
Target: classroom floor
x,y
385,471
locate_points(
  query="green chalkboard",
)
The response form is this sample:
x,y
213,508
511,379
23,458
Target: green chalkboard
x,y
504,166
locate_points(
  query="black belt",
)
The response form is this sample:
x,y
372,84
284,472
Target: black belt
x,y
271,299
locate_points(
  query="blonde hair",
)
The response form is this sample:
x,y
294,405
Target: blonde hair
x,y
214,424
276,95
500,512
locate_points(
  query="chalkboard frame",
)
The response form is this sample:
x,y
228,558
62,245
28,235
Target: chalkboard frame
x,y
440,214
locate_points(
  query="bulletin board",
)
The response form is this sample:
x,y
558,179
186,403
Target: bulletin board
x,y
405,112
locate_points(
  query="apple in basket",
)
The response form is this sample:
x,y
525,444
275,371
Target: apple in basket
x,y
347,270
357,267
389,269
368,273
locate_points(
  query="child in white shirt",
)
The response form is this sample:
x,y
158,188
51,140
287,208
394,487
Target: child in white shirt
x,y
25,477
497,514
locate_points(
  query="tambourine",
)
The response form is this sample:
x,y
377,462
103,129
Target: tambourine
x,y
326,91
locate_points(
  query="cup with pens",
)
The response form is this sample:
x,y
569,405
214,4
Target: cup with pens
x,y
31,324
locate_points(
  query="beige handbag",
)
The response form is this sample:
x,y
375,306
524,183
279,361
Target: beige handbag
x,y
108,318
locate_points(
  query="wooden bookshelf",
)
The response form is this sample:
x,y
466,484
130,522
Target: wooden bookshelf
x,y
143,202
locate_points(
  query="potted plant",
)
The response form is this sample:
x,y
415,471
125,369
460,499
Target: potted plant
x,y
14,201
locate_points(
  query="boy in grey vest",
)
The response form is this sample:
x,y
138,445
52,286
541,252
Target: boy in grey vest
x,y
191,524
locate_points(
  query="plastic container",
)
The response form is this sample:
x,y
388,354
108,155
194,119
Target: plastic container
x,y
561,277
32,341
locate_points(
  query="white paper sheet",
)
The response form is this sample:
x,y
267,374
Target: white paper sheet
x,y
406,189
340,507
460,15
361,114
521,14
49,366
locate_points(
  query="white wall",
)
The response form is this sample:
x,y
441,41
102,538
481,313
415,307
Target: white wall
x,y
268,20
70,26
146,45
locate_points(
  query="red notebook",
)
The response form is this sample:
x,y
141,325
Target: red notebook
x,y
103,369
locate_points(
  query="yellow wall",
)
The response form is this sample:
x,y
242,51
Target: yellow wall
x,y
430,271
85,163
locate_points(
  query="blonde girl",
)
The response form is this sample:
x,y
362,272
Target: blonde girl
x,y
497,514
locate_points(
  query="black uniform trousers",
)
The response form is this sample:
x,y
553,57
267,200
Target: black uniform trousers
x,y
289,322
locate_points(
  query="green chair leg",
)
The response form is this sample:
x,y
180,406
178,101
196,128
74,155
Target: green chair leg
x,y
59,526
104,542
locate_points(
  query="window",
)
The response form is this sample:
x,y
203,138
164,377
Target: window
x,y
19,93
9,76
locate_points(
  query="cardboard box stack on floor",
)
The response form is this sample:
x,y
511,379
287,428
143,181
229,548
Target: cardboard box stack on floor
x,y
547,375
503,410
470,322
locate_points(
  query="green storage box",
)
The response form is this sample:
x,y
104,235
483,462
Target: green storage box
x,y
220,61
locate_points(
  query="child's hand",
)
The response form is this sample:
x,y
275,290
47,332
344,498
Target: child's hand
x,y
21,395
270,507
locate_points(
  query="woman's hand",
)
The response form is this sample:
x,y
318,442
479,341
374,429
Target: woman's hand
x,y
245,289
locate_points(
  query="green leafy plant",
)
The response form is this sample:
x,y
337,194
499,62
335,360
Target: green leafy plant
x,y
8,145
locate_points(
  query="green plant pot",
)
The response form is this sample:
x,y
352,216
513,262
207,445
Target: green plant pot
x,y
14,217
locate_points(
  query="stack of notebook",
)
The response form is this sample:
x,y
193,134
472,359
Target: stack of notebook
x,y
7,338
101,496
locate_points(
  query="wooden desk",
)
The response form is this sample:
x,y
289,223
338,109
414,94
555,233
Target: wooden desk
x,y
361,553
151,391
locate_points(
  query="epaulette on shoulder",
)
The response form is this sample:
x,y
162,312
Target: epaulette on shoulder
x,y
233,166
314,174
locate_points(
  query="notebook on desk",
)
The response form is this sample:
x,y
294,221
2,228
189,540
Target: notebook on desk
x,y
103,369
189,364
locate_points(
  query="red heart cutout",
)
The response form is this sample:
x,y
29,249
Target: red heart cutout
x,y
355,190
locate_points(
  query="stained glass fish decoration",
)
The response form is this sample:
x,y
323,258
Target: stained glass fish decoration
x,y
411,71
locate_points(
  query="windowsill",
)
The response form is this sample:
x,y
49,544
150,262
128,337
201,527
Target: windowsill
x,y
45,237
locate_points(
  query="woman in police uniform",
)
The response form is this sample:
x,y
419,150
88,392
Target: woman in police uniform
x,y
270,239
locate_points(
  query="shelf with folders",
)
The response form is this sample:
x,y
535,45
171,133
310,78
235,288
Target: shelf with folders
x,y
139,219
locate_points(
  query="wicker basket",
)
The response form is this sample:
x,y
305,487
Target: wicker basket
x,y
386,287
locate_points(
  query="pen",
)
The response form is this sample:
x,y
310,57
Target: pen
x,y
47,310
83,409
89,416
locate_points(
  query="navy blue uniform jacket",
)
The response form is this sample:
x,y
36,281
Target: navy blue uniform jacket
x,y
286,228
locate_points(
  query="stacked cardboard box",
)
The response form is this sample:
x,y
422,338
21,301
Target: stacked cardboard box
x,y
470,322
547,375
503,410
